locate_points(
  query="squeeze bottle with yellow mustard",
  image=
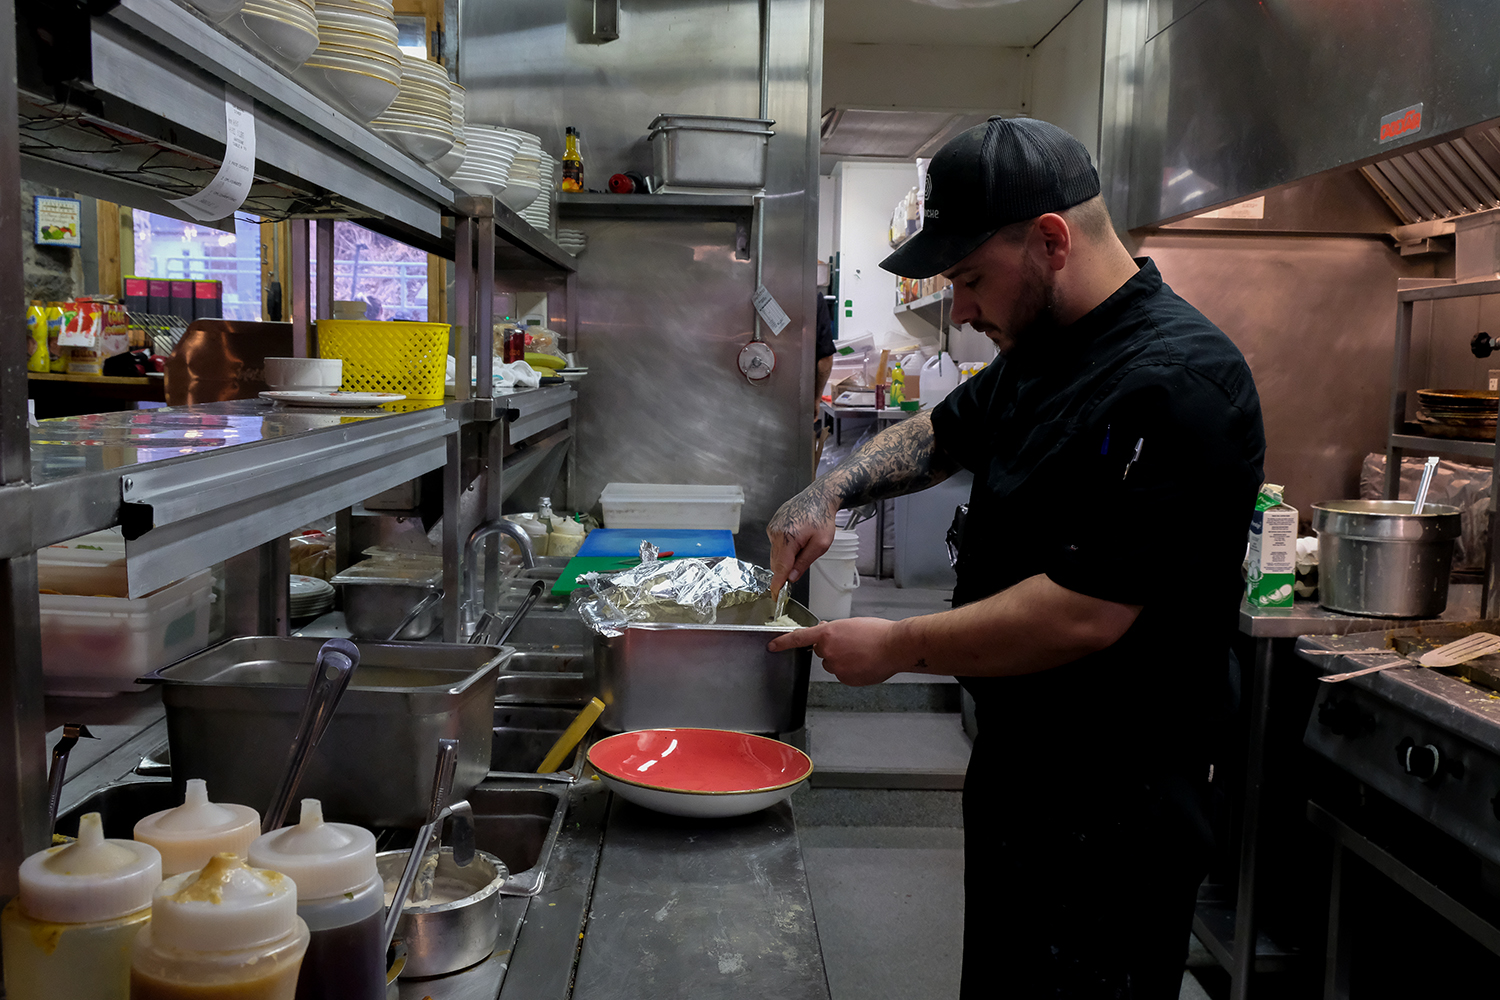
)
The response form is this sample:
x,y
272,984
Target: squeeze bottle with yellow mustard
x,y
57,355
37,359
70,931
228,932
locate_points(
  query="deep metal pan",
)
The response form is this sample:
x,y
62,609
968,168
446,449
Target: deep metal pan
x,y
232,710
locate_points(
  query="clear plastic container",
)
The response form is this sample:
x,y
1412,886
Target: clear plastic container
x,y
98,646
671,505
70,931
228,932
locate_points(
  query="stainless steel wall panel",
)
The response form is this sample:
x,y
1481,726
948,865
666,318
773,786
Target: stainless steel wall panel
x,y
1244,95
662,305
1316,319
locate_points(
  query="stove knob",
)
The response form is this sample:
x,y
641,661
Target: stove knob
x,y
1423,762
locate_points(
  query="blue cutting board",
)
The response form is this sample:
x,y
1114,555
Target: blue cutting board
x,y
685,543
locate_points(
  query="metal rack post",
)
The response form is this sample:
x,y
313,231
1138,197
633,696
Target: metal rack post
x,y
23,746
301,301
325,269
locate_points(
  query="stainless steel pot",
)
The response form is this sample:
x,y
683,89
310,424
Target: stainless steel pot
x,y
1375,557
445,937
378,594
232,711
705,676
708,151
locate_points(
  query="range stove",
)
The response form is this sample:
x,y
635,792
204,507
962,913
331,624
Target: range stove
x,y
1427,739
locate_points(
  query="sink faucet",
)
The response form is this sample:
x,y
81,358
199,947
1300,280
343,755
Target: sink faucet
x,y
473,606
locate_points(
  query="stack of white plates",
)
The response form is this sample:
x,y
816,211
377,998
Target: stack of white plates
x,y
487,161
420,119
525,181
572,240
284,31
450,161
357,65
539,212
310,596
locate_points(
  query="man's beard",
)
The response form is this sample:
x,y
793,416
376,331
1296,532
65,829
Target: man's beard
x,y
1033,314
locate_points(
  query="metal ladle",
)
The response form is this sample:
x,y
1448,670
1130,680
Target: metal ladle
x,y
335,665
442,787
1427,471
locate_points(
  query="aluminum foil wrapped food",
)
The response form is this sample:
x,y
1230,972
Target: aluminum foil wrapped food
x,y
675,591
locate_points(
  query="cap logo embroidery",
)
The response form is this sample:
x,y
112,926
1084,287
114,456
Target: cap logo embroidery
x,y
928,190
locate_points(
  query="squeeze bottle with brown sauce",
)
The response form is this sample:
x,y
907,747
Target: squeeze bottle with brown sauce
x,y
190,834
341,897
69,932
228,932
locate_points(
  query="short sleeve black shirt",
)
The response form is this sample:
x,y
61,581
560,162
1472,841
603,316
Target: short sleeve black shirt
x,y
1120,457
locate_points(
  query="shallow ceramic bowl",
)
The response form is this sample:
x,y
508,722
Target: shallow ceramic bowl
x,y
311,374
447,164
217,10
360,93
425,146
701,773
280,38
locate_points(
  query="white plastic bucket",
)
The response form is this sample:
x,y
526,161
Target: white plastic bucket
x,y
834,578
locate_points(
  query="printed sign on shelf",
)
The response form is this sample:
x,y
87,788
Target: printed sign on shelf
x,y
59,222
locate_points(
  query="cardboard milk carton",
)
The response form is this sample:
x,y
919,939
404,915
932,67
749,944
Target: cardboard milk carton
x,y
1273,551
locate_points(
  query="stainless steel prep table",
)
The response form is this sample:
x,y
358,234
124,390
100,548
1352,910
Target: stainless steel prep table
x,y
1234,937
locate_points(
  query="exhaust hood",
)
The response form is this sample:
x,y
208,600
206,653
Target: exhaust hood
x,y
891,134
1444,181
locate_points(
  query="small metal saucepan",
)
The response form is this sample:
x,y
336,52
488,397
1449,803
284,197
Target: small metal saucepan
x,y
443,937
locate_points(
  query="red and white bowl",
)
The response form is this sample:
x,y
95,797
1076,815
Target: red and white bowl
x,y
701,773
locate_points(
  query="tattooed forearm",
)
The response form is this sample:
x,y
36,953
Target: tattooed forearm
x,y
903,458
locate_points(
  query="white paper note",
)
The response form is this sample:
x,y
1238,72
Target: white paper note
x,y
770,310
231,185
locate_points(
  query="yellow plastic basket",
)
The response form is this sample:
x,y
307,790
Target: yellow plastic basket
x,y
388,356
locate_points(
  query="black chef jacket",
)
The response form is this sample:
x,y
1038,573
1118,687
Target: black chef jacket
x,y
1120,456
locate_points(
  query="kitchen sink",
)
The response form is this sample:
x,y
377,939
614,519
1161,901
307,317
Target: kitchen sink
x,y
524,734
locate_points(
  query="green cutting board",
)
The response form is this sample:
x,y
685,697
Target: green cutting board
x,y
579,565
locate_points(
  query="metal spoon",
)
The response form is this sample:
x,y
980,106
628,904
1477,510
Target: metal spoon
x,y
442,787
337,659
1427,471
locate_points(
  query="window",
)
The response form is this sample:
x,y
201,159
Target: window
x,y
387,275
168,248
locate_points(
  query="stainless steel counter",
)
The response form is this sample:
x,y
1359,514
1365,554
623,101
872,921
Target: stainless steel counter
x,y
1311,618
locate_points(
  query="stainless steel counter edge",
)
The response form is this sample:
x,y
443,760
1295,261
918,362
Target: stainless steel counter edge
x,y
1310,618
1465,709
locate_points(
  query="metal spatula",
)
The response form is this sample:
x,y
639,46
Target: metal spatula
x,y
1469,647
1449,655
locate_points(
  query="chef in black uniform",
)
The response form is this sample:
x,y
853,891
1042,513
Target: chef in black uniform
x,y
1116,446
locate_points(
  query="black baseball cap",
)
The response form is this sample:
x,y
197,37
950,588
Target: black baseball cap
x,y
1006,170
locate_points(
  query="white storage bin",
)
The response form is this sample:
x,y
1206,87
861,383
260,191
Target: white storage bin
x,y
671,505
92,565
98,646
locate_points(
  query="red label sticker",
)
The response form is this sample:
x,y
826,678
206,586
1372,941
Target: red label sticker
x,y
1403,122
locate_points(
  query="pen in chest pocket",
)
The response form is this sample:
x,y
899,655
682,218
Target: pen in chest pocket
x,y
1133,458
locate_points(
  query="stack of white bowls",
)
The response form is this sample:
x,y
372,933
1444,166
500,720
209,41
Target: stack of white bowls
x,y
451,160
572,240
284,31
539,213
420,119
487,161
525,181
357,65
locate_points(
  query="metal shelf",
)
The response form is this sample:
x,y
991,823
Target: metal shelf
x,y
1444,446
1450,290
928,307
161,76
195,485
519,246
583,205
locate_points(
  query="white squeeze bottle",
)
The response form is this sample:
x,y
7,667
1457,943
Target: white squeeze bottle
x,y
69,932
341,897
189,834
228,932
